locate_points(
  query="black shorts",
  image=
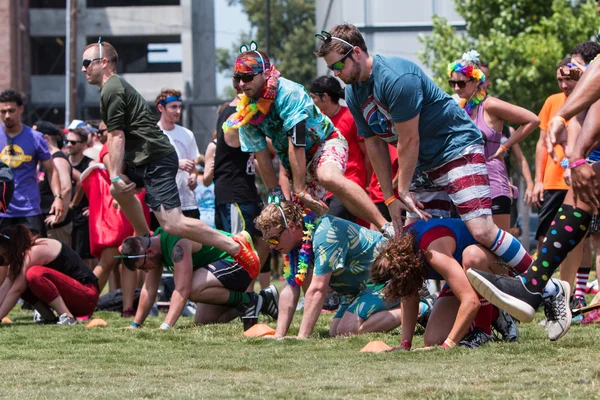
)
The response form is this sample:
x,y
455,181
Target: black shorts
x,y
231,275
159,181
80,238
501,205
553,199
34,223
154,224
338,209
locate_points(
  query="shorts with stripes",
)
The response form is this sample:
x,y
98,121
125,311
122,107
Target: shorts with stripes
x,y
465,180
231,275
435,200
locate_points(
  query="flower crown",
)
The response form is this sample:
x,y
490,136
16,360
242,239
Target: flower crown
x,y
468,65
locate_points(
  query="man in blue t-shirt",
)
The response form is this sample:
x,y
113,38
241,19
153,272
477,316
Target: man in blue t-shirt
x,y
21,148
393,99
310,148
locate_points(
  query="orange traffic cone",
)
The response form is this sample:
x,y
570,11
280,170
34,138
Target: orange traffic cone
x,y
375,346
259,330
6,320
96,322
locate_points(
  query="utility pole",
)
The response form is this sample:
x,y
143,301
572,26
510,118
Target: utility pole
x,y
70,64
268,18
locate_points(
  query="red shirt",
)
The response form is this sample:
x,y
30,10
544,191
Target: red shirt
x,y
375,192
355,168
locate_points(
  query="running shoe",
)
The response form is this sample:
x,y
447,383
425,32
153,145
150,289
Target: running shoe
x,y
506,327
426,305
577,302
247,257
558,312
252,309
591,317
332,301
64,319
38,319
475,338
507,293
270,297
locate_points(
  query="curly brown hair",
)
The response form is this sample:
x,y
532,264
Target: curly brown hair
x,y
401,264
271,217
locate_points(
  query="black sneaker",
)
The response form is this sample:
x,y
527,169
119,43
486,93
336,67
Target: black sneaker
x,y
270,298
475,338
507,293
38,319
332,301
558,312
506,327
427,306
252,309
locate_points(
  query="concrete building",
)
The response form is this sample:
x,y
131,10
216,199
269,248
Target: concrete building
x,y
390,27
159,44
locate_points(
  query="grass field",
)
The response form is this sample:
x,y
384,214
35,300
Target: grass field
x,y
215,362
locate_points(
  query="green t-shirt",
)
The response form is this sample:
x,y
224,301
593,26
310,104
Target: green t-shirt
x,y
123,108
204,256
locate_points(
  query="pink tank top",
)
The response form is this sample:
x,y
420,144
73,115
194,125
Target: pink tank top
x,y
499,182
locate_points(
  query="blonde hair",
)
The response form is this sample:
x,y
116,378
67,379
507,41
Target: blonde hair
x,y
271,218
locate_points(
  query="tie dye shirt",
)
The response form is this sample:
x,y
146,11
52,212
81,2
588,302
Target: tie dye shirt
x,y
347,250
292,105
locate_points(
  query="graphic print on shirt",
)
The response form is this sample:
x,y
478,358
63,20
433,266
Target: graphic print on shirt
x,y
13,156
379,120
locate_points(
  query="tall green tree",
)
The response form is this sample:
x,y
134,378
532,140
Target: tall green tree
x,y
521,40
292,29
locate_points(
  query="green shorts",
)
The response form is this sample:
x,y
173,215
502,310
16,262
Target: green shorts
x,y
366,303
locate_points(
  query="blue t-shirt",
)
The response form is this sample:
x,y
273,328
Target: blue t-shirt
x,y
28,147
347,250
397,91
291,106
454,227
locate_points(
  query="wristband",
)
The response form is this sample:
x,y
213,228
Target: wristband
x,y
561,119
448,343
164,326
504,148
135,324
577,163
564,163
302,193
407,344
115,179
390,200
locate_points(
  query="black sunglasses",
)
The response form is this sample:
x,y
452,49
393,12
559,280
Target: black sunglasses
x,y
74,142
100,131
86,63
244,78
461,84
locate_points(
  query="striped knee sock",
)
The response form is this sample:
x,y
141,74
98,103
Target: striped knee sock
x,y
510,250
582,277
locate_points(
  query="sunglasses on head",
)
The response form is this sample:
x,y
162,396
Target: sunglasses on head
x,y
461,84
247,78
339,65
275,240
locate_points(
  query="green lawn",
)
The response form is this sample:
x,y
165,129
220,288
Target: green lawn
x,y
218,362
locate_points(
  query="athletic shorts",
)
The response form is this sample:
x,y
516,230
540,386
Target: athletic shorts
x,y
501,205
35,223
435,200
553,199
159,181
466,181
330,152
368,302
237,217
231,275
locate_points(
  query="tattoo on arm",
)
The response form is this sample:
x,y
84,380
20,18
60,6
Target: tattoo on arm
x,y
177,254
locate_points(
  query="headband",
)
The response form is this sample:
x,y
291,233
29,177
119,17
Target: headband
x,y
100,47
248,64
169,100
326,38
470,71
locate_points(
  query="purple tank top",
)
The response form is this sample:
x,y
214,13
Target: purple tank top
x,y
498,175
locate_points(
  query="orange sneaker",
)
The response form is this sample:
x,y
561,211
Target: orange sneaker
x,y
247,257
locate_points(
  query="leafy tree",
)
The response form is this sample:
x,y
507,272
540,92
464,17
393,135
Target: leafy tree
x,y
291,37
521,40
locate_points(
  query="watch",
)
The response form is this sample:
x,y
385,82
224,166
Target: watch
x,y
58,196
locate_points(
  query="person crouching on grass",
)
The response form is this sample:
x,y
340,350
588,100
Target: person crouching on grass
x,y
47,274
203,274
342,252
439,249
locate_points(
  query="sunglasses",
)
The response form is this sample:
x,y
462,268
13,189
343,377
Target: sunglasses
x,y
339,65
244,78
123,256
74,142
100,131
461,84
87,62
275,240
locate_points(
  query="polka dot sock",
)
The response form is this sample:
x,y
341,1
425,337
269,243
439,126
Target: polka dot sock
x,y
566,231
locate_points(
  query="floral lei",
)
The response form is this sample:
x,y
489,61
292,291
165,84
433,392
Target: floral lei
x,y
296,263
473,102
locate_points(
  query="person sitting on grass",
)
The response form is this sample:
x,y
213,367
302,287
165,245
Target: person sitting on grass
x,y
342,252
47,274
203,274
439,249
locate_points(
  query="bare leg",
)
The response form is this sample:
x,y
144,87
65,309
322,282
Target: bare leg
x,y
133,210
211,313
353,196
128,285
264,278
502,221
59,305
441,320
382,321
106,265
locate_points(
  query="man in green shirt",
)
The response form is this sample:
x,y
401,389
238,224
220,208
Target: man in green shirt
x,y
203,274
141,155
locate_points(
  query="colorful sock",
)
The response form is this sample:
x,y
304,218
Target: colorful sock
x,y
566,231
510,250
483,319
582,277
237,298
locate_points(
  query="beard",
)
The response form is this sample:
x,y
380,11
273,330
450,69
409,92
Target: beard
x,y
354,74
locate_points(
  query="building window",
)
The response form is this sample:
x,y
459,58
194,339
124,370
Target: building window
x,y
48,4
130,3
48,56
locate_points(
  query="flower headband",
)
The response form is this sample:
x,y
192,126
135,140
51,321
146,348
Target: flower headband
x,y
470,71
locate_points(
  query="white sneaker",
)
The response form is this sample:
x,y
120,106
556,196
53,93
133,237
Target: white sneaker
x,y
558,312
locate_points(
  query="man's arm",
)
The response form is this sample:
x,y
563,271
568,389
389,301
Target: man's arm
x,y
265,168
288,300
181,254
57,207
148,294
14,292
541,157
313,303
368,166
297,156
